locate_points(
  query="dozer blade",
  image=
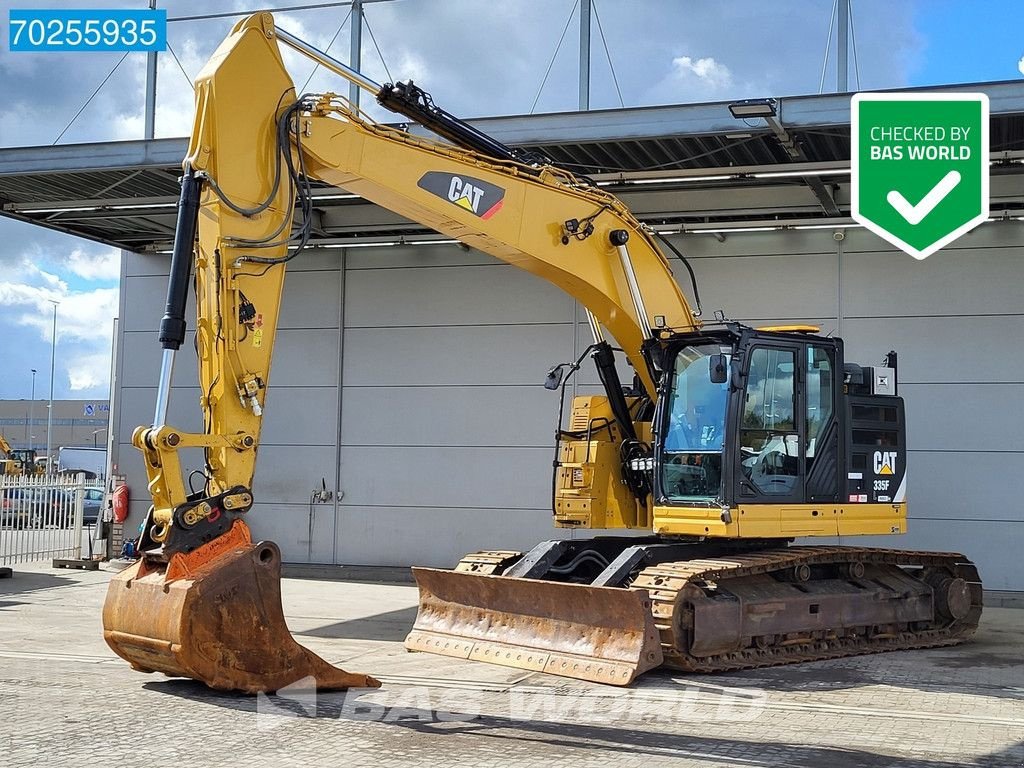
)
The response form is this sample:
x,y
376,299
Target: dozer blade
x,y
221,623
602,634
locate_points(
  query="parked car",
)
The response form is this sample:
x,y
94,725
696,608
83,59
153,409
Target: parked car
x,y
92,505
58,508
17,507
36,507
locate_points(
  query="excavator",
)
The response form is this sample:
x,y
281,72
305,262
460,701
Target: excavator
x,y
695,478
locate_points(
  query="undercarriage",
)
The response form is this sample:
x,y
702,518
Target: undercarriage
x,y
610,608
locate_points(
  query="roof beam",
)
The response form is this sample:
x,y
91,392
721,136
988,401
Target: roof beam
x,y
94,156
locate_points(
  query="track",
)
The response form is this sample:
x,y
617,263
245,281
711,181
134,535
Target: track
x,y
684,592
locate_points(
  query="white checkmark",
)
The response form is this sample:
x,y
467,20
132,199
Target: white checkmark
x,y
916,213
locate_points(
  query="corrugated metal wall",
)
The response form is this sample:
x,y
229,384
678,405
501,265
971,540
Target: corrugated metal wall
x,y
443,444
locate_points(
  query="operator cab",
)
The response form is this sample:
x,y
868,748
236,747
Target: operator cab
x,y
763,416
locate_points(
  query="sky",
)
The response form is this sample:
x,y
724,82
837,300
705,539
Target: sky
x,y
477,59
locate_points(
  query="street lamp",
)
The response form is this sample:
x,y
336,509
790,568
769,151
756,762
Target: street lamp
x,y
96,432
53,361
32,411
753,108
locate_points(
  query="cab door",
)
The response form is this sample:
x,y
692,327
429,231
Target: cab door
x,y
825,449
770,425
789,423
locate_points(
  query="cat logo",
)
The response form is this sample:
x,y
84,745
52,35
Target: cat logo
x,y
479,197
885,462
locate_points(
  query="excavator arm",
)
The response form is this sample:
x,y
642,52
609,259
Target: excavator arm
x,y
254,147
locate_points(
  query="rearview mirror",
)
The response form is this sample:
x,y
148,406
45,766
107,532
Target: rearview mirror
x,y
719,369
554,378
736,376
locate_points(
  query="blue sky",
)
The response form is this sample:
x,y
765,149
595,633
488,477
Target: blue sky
x,y
475,62
969,41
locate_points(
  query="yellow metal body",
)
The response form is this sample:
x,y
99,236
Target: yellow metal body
x,y
240,93
782,521
8,465
385,165
589,492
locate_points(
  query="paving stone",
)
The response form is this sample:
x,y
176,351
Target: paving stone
x,y
67,701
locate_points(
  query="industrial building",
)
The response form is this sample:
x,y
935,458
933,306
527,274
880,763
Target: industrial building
x,y
408,374
23,423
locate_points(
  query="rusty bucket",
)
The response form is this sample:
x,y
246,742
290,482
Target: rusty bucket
x,y
602,634
220,623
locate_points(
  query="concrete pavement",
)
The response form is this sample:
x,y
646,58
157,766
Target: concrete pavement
x,y
68,701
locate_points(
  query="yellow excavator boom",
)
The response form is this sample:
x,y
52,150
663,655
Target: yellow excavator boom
x,y
253,147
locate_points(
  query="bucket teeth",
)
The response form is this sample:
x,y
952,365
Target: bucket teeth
x,y
601,634
222,625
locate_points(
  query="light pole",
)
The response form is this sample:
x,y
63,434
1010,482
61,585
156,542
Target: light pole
x,y
49,410
96,432
32,411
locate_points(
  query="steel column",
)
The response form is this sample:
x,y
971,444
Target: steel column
x,y
151,88
842,47
355,48
584,89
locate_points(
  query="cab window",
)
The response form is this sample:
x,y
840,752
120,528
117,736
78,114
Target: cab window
x,y
820,397
695,428
769,440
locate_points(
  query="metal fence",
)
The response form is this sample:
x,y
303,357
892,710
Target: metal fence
x,y
44,516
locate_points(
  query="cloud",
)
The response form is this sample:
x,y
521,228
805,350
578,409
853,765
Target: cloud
x,y
95,266
84,327
1020,65
88,371
81,315
707,69
691,79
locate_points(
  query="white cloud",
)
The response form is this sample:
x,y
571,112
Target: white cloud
x,y
84,317
16,294
690,79
1020,65
81,315
88,371
713,73
52,281
95,266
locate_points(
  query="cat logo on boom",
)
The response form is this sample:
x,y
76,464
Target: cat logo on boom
x,y
481,198
885,462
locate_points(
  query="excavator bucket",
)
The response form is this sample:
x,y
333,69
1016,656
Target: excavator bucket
x,y
602,634
221,623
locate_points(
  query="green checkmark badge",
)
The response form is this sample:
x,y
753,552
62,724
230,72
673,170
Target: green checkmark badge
x,y
919,167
